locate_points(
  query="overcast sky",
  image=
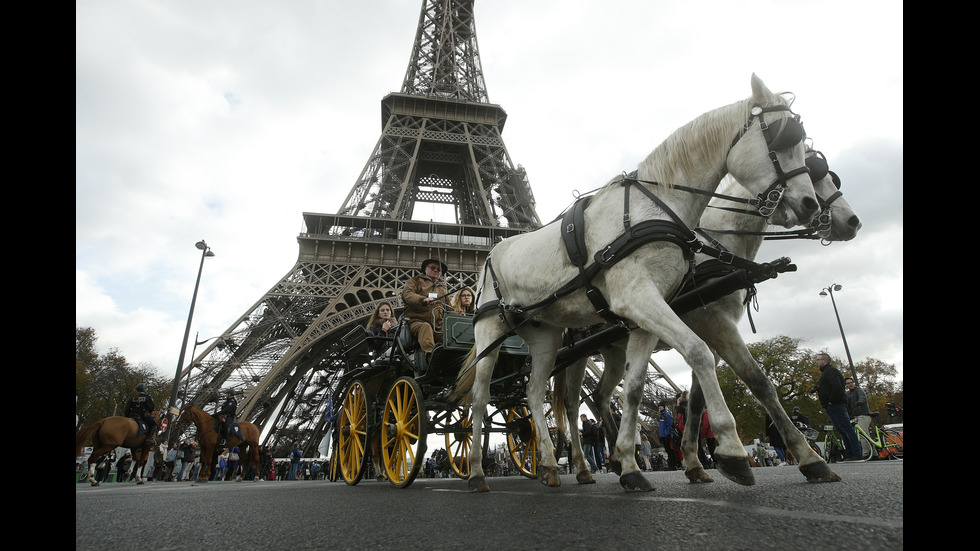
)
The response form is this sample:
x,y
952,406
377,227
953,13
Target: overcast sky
x,y
225,121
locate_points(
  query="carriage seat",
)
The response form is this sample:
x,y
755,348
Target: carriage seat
x,y
405,337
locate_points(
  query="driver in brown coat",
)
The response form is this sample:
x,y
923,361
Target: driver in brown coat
x,y
423,296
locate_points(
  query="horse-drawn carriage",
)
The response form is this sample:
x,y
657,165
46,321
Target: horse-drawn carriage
x,y
394,396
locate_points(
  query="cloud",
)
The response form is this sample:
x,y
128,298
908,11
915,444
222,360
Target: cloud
x,y
226,121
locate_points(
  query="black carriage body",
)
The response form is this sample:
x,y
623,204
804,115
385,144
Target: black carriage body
x,y
384,365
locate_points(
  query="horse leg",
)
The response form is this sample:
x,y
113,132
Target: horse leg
x,y
487,330
253,458
691,440
544,344
93,459
574,376
207,457
638,350
613,370
737,355
731,459
140,465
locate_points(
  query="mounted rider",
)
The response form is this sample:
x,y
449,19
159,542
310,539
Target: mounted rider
x,y
226,415
141,407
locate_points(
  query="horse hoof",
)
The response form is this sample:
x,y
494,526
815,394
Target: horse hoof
x,y
698,475
819,472
615,466
635,482
585,477
138,482
96,484
478,484
736,469
548,476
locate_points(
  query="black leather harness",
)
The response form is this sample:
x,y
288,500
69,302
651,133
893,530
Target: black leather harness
x,y
783,133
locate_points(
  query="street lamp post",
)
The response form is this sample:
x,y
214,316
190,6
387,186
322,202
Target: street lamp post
x,y
205,253
830,289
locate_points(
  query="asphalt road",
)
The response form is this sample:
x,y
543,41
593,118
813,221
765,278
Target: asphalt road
x,y
781,511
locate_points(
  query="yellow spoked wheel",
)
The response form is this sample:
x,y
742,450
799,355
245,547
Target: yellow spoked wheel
x,y
353,437
521,441
459,442
403,432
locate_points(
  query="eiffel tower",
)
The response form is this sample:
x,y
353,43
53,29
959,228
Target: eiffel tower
x,y
440,145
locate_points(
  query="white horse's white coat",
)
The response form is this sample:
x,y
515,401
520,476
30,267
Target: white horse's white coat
x,y
532,266
717,324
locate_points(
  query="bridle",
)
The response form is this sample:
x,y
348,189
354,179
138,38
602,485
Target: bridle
x,y
819,169
783,133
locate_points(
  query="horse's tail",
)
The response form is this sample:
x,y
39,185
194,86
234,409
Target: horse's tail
x,y
461,392
83,435
558,402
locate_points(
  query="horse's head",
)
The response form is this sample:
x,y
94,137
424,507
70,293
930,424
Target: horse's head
x,y
837,220
186,414
768,158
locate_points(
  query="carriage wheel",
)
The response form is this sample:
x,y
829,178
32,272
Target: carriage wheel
x,y
522,439
403,432
353,437
460,443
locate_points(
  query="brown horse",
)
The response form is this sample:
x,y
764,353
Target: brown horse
x,y
111,433
208,438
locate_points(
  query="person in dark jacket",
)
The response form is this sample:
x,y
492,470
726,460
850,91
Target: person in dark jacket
x,y
857,408
588,442
666,428
798,418
141,407
226,415
830,391
382,322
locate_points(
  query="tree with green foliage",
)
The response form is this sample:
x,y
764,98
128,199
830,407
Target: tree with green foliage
x,y
794,373
104,382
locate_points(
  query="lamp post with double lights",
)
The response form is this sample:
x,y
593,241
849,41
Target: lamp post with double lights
x,y
205,253
830,290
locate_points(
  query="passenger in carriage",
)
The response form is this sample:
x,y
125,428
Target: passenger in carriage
x,y
423,296
382,322
463,301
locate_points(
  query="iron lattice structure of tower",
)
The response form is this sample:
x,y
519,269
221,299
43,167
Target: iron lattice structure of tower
x,y
440,144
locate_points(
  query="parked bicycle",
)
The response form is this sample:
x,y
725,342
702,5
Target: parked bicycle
x,y
886,444
811,435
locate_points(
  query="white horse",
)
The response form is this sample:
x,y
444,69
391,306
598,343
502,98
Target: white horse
x,y
537,290
717,324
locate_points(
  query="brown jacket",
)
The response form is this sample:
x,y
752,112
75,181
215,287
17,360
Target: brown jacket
x,y
418,289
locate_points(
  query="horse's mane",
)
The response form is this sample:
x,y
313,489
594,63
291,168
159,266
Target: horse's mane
x,y
703,140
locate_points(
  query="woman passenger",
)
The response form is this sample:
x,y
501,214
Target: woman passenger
x,y
382,322
463,301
